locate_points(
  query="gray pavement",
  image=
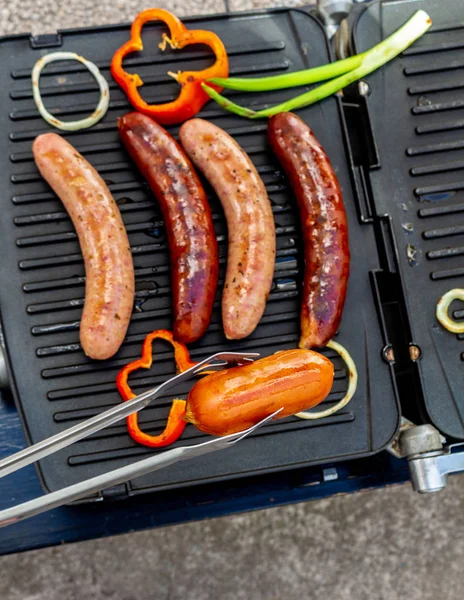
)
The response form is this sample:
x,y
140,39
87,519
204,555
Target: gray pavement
x,y
379,545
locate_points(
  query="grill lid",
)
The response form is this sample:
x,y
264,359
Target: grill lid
x,y
415,108
42,273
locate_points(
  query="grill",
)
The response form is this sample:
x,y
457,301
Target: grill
x,y
42,273
419,187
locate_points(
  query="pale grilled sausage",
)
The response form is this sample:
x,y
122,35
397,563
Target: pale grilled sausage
x,y
250,223
109,283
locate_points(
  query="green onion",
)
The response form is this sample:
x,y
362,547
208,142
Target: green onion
x,y
371,60
229,105
288,80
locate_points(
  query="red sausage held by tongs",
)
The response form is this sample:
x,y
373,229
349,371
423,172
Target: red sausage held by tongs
x,y
323,220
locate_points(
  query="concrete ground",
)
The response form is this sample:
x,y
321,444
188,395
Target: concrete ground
x,y
379,545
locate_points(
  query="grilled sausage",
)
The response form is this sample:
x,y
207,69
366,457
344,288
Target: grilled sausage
x,y
235,399
109,283
325,232
187,219
250,223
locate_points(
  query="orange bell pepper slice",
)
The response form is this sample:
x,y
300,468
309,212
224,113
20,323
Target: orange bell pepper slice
x,y
192,97
176,423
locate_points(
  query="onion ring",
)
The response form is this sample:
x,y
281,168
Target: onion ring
x,y
442,310
103,103
352,385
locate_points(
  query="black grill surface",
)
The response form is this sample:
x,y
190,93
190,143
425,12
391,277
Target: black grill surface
x,y
416,109
42,272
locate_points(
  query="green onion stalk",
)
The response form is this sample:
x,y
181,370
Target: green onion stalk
x,y
340,73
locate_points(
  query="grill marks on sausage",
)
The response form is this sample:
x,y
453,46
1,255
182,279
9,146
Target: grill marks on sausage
x,y
109,287
250,223
187,218
237,398
324,226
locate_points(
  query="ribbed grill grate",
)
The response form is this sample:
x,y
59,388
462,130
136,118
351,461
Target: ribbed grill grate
x,y
57,386
421,186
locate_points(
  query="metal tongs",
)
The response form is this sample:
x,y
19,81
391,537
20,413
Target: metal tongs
x,y
153,463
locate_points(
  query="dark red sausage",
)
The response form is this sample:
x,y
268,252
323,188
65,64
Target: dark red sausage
x,y
187,219
325,231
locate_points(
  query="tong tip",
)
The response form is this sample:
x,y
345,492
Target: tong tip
x,y
242,434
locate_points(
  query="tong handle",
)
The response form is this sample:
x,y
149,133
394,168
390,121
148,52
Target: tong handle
x,y
65,438
88,487
121,475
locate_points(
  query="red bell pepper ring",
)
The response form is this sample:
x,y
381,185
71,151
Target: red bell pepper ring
x,y
192,97
176,423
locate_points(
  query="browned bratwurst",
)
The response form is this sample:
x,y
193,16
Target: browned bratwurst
x,y
109,282
187,219
250,223
323,219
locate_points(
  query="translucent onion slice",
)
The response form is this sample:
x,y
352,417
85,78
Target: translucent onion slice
x,y
102,105
442,310
352,385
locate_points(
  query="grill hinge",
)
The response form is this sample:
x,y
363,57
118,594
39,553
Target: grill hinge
x,y
430,460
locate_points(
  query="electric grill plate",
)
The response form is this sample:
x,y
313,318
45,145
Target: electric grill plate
x,y
416,108
42,274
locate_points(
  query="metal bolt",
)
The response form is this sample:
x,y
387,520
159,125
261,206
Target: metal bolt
x,y
364,88
388,354
414,352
